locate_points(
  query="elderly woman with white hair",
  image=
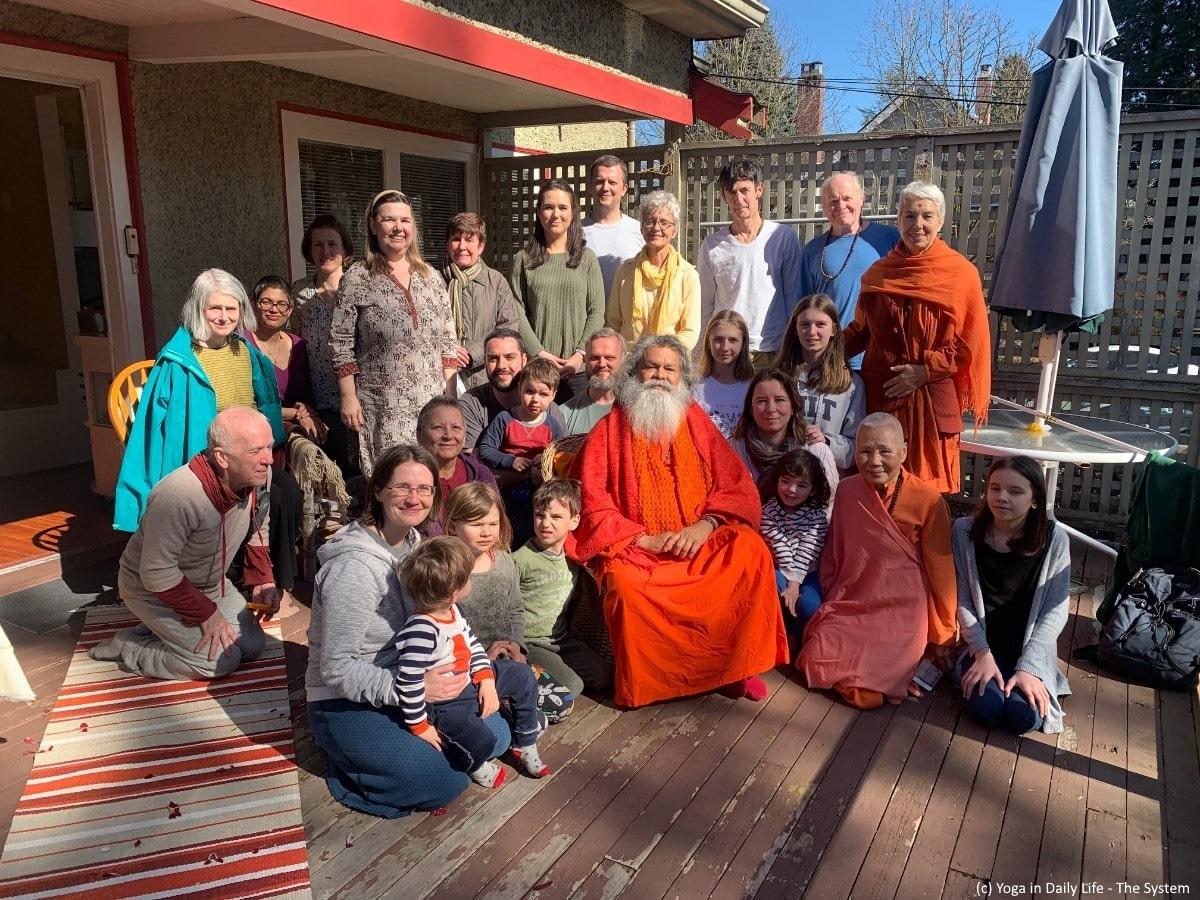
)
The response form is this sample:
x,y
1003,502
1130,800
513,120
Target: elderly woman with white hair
x,y
206,366
923,324
658,291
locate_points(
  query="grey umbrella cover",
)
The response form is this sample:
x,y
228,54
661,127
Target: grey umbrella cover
x,y
1056,267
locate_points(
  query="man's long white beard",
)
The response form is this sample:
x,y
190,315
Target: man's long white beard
x,y
654,414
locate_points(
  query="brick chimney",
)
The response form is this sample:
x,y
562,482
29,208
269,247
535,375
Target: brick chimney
x,y
810,98
984,84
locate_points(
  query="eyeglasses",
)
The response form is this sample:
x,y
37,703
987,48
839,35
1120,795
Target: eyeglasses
x,y
273,304
403,489
662,224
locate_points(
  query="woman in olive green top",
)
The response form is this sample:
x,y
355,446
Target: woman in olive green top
x,y
558,282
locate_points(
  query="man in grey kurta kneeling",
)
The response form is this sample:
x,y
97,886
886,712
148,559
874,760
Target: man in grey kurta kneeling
x,y
195,624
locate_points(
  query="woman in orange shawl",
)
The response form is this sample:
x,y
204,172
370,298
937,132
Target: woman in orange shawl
x,y
923,324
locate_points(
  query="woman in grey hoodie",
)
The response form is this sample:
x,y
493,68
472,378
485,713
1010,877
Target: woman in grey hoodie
x,y
1014,576
375,764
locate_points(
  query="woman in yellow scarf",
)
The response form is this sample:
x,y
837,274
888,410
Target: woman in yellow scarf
x,y
658,291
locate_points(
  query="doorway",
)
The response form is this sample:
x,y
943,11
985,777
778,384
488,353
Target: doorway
x,y
46,210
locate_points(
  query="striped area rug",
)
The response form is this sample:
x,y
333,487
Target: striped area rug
x,y
148,788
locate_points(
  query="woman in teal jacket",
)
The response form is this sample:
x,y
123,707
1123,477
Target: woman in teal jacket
x,y
206,366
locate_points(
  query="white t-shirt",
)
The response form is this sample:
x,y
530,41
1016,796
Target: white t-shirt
x,y
760,280
613,244
722,402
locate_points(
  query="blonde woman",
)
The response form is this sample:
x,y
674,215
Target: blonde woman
x,y
392,332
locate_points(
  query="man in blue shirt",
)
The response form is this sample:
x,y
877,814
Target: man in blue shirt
x,y
833,263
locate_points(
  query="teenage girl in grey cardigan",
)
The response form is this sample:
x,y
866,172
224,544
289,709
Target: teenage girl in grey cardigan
x,y
1014,575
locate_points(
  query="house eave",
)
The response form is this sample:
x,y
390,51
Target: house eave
x,y
703,20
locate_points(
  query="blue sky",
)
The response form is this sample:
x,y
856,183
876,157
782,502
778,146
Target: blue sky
x,y
829,32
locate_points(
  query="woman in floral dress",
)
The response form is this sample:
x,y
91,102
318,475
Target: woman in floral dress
x,y
392,334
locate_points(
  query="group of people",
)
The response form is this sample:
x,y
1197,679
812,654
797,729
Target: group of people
x,y
610,471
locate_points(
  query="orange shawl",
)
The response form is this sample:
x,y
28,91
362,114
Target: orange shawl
x,y
946,279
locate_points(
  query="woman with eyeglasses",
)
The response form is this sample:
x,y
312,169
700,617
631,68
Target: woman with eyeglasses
x,y
206,366
658,291
374,763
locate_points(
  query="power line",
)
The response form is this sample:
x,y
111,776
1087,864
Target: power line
x,y
959,82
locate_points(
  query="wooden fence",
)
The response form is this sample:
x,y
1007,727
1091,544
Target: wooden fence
x,y
1143,366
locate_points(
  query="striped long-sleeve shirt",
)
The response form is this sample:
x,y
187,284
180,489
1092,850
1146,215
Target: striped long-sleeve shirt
x,y
425,642
796,536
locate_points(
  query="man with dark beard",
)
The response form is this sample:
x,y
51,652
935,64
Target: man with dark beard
x,y
604,356
670,526
503,361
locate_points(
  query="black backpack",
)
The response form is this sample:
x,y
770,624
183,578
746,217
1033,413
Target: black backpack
x,y
1152,635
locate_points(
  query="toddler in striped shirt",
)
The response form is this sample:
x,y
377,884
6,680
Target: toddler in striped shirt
x,y
797,496
437,575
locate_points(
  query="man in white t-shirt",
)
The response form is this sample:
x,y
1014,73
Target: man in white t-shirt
x,y
613,236
753,266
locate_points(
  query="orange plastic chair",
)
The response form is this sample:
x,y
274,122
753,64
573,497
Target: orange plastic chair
x,y
124,393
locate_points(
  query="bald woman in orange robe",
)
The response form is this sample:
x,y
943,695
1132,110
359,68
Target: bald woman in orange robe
x,y
923,324
888,577
670,525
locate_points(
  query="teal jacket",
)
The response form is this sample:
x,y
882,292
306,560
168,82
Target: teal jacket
x,y
171,421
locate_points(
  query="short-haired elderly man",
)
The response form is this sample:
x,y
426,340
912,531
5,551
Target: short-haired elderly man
x,y
833,263
670,523
195,624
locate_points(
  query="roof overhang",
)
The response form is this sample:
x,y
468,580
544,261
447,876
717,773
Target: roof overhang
x,y
397,46
703,20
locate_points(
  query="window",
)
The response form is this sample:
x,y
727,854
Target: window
x,y
335,166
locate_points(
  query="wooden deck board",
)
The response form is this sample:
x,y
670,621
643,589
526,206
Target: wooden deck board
x,y
797,796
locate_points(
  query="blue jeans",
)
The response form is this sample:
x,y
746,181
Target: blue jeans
x,y
467,740
377,766
806,605
993,709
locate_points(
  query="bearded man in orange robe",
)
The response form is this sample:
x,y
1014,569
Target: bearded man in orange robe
x,y
888,577
670,526
923,324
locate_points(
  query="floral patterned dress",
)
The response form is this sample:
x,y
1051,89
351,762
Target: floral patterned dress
x,y
312,320
394,342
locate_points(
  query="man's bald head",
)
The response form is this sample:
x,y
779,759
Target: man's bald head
x,y
842,198
240,445
880,449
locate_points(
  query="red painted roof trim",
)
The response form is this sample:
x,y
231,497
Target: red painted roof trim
x,y
419,28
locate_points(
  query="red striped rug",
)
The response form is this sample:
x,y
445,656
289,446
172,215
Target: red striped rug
x,y
148,788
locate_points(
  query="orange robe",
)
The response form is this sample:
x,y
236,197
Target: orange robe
x,y
678,627
926,310
889,592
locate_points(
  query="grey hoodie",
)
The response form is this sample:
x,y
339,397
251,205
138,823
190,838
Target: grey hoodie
x,y
358,607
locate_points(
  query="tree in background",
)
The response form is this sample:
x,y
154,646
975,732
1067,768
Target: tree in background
x,y
937,50
1160,45
764,63
1011,87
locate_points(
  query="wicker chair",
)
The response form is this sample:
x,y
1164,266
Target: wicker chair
x,y
558,456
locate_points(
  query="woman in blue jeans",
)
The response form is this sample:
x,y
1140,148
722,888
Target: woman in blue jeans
x,y
1014,575
375,764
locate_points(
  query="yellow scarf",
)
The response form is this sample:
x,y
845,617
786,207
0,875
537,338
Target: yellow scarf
x,y
645,277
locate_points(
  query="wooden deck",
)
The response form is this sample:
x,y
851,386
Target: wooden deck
x,y
796,796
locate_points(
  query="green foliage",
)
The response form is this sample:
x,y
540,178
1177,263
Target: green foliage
x,y
761,54
1160,45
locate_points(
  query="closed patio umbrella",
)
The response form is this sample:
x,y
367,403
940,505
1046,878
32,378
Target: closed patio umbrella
x,y
1056,266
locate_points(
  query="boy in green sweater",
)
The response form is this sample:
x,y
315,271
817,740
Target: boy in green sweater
x,y
548,580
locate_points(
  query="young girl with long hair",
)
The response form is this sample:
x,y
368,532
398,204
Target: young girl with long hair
x,y
1014,577
814,354
797,496
725,369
